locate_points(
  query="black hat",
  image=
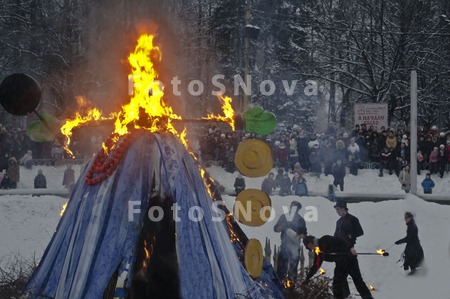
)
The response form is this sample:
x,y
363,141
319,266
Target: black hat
x,y
296,204
341,204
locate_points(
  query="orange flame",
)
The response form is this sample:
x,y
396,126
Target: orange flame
x,y
287,283
88,114
146,109
233,236
147,93
147,255
63,209
317,250
227,111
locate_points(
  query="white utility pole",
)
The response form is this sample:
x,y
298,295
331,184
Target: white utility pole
x,y
413,125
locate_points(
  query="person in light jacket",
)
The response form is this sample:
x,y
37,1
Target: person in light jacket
x,y
405,179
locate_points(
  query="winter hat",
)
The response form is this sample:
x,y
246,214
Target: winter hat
x,y
435,148
341,204
428,174
297,204
433,128
442,134
345,135
282,145
277,143
405,137
442,146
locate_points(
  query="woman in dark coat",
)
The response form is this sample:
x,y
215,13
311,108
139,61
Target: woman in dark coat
x,y
413,254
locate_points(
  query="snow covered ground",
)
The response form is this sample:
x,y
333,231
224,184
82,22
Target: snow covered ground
x,y
27,223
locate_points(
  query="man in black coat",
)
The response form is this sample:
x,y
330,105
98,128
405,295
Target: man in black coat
x,y
348,229
292,227
334,249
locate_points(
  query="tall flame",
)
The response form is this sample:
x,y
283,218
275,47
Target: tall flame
x,y
147,92
146,109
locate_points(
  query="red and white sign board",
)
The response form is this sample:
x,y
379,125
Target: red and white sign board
x,y
372,114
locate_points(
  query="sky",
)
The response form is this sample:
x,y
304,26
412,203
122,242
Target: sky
x,y
27,224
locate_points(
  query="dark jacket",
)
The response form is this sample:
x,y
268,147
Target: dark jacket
x,y
348,228
332,249
268,185
40,181
413,254
339,172
239,185
285,186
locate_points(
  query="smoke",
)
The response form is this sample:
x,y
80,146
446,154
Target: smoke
x,y
110,34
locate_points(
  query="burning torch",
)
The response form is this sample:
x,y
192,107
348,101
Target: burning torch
x,y
380,252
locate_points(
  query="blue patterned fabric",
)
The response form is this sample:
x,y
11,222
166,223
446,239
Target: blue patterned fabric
x,y
95,236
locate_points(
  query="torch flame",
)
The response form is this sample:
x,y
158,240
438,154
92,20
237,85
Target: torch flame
x,y
381,251
317,250
372,288
322,271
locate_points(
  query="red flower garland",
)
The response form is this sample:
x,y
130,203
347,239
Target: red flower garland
x,y
105,164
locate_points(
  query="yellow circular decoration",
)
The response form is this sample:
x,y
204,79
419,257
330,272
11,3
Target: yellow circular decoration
x,y
248,207
253,158
253,258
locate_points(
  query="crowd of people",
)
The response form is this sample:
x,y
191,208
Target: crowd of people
x,y
17,149
294,151
297,152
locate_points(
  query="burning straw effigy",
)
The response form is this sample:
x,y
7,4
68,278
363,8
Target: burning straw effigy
x,y
112,226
